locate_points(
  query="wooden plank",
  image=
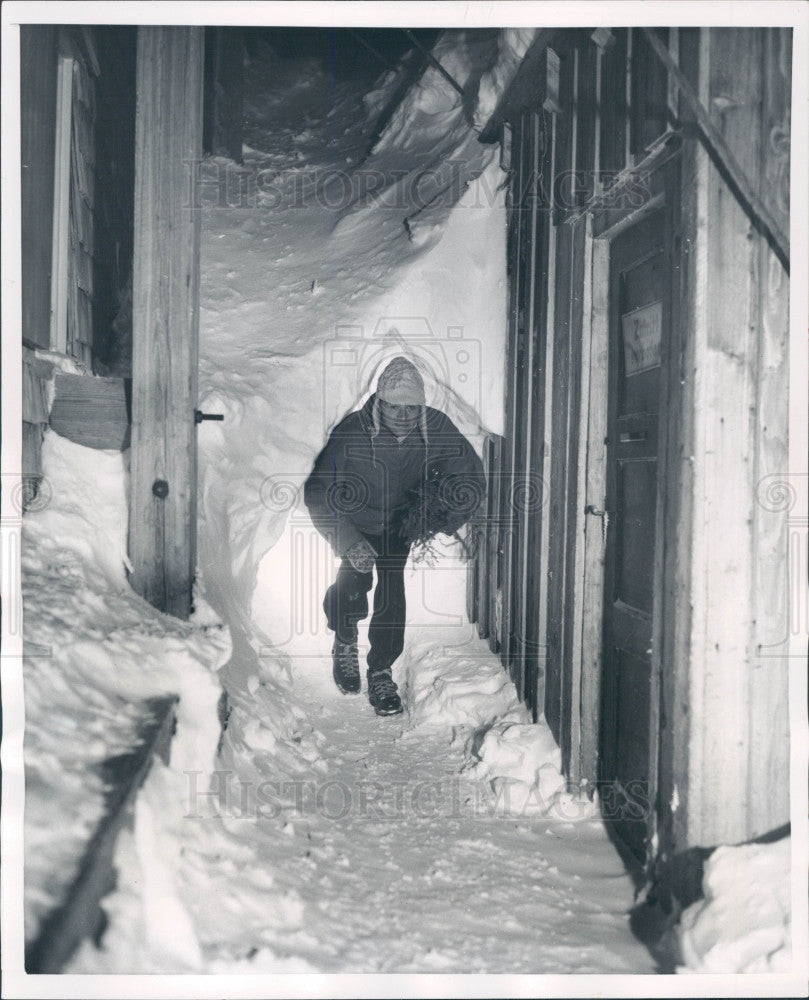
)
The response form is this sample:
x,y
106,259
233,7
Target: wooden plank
x,y
672,90
36,373
79,915
586,164
519,182
684,542
572,519
162,529
497,491
768,701
536,498
31,467
485,554
631,38
649,82
668,501
84,317
613,106
37,148
594,489
548,446
84,270
580,524
91,410
526,428
557,506
61,206
522,91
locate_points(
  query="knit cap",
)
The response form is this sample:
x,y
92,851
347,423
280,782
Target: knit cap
x,y
401,384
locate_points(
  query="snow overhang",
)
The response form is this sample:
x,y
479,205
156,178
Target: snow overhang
x,y
521,91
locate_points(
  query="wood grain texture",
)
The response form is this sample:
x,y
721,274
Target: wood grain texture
x,y
516,271
548,446
162,532
91,411
768,699
737,700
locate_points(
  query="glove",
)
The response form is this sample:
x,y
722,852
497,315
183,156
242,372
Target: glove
x,y
362,556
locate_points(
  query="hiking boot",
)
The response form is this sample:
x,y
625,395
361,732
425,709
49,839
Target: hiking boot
x,y
383,693
346,667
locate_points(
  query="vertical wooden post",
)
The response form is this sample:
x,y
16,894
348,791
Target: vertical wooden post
x,y
61,204
168,138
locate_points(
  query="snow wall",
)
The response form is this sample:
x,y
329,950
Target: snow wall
x,y
309,287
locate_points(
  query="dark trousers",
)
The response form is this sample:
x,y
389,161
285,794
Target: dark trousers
x,y
346,601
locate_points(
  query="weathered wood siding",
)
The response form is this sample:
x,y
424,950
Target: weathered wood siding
x,y
624,142
732,714
162,524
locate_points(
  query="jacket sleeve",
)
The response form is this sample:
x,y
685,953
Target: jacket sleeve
x,y
321,495
463,482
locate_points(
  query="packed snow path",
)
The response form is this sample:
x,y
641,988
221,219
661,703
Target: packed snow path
x,y
402,864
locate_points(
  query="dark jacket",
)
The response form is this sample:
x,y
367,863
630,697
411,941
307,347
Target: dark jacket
x,y
364,480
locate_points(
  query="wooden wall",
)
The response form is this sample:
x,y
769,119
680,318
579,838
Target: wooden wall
x,y
77,103
721,618
729,707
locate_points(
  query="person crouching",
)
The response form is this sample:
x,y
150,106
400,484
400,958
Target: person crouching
x,y
359,494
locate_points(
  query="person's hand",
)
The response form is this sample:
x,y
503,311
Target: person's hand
x,y
362,556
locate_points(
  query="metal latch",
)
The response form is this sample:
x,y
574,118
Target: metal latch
x,y
199,416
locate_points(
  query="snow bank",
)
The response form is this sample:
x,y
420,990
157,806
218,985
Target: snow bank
x,y
744,922
452,682
94,652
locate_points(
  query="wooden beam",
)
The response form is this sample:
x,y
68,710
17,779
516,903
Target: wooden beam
x,y
79,915
593,490
168,140
522,91
744,190
61,205
433,61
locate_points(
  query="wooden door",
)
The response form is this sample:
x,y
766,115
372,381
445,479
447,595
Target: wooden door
x,y
639,320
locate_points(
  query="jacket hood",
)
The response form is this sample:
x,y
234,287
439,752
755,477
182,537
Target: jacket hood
x,y
371,421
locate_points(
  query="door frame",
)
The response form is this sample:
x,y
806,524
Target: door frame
x,y
604,225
